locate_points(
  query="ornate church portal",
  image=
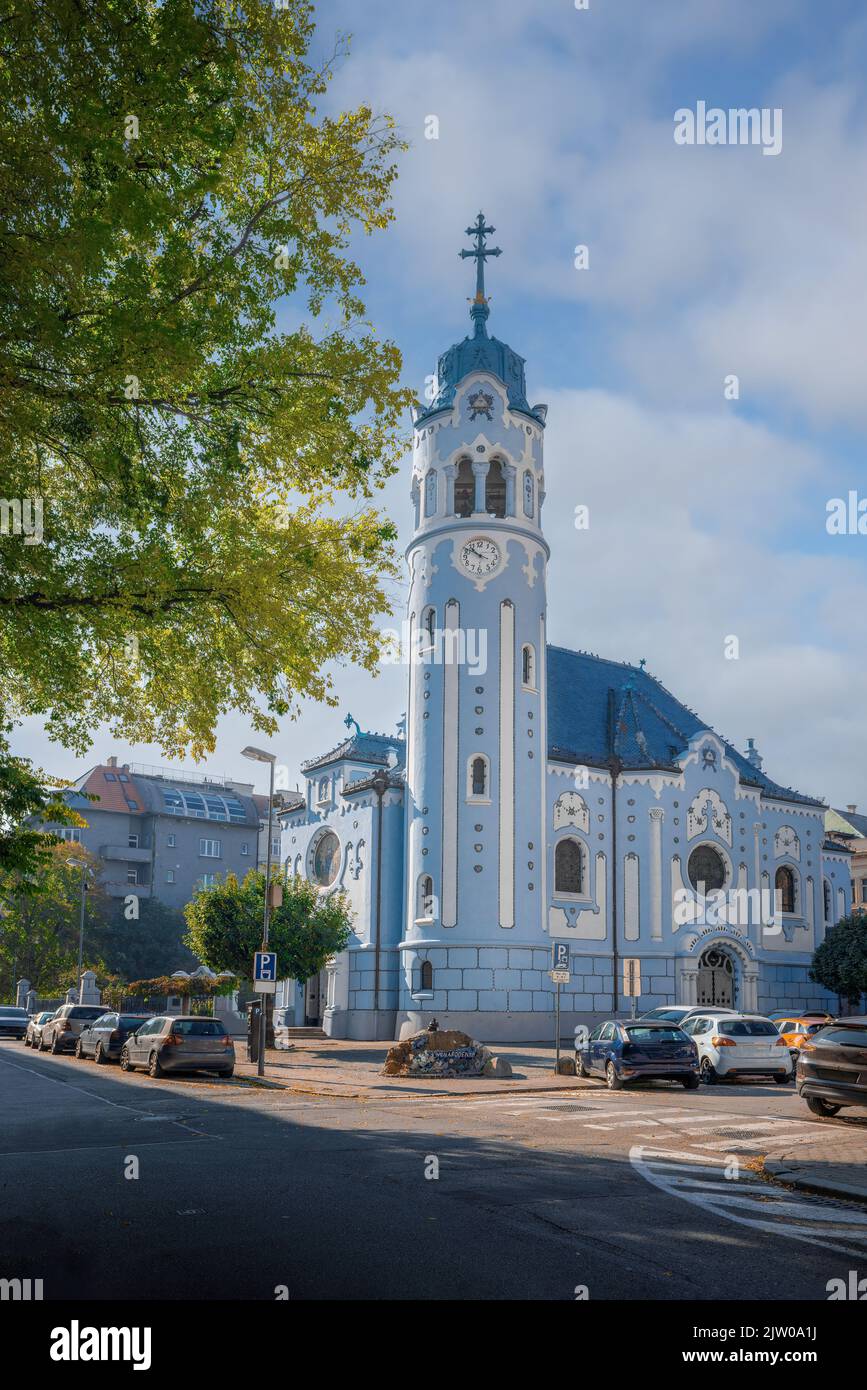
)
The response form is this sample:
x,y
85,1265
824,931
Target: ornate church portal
x,y
715,983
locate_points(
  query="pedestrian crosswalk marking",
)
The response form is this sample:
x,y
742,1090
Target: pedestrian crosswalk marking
x,y
701,1180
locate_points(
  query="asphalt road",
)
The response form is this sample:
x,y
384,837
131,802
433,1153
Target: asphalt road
x,y
241,1192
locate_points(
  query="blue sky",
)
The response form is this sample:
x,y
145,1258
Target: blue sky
x,y
707,515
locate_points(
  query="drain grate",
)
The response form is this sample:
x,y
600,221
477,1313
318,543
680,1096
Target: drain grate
x,y
569,1109
741,1133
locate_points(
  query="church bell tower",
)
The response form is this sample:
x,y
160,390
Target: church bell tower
x,y
476,721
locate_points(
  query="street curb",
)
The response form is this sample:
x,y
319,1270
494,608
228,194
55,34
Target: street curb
x,y
784,1171
370,1094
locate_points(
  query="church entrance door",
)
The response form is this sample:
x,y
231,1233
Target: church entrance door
x,y
715,980
314,1000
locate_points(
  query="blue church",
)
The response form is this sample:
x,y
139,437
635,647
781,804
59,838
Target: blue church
x,y
535,795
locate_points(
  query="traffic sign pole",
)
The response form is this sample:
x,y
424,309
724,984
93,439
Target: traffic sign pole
x,y
557,1038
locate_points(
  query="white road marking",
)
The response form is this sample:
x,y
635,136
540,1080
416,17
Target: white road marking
x,y
814,1221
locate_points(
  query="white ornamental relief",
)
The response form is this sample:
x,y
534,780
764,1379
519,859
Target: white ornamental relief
x,y
697,820
786,842
571,809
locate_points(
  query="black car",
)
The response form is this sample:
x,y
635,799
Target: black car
x,y
105,1036
13,1022
832,1066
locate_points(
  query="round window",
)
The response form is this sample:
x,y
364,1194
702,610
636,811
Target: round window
x,y
706,869
326,859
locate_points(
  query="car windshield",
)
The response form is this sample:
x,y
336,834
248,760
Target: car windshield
x,y
636,1033
665,1014
198,1028
12,1013
133,1020
747,1028
43,1018
86,1011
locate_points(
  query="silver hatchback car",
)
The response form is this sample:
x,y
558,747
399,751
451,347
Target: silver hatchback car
x,y
179,1042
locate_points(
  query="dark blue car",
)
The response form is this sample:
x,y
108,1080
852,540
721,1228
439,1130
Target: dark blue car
x,y
620,1051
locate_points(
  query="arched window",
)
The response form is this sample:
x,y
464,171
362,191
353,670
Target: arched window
x,y
568,867
827,896
429,625
426,975
528,494
430,492
424,907
784,882
495,490
415,493
465,489
528,667
478,778
706,869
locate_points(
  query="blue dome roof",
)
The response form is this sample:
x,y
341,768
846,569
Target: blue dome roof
x,y
481,353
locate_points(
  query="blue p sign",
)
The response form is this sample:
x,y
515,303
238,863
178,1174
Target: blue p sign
x,y
560,955
265,965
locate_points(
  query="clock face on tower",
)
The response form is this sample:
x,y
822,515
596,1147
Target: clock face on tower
x,y
480,556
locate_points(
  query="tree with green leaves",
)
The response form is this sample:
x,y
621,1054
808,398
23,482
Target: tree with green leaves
x,y
39,924
149,945
840,961
27,798
199,468
225,926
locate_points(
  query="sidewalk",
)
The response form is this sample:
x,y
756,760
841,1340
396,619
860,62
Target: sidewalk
x,y
834,1165
329,1067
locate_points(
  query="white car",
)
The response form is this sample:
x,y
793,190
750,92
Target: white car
x,y
738,1045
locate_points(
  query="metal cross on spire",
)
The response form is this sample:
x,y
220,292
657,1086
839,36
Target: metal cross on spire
x,y
480,251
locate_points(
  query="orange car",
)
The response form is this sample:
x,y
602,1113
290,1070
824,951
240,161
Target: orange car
x,y
794,1030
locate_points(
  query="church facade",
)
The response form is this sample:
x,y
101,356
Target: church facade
x,y
536,795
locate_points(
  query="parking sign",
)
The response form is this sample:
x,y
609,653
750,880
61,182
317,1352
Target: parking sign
x,y
265,972
560,955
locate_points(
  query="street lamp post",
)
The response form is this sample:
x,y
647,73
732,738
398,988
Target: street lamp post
x,y
259,755
79,864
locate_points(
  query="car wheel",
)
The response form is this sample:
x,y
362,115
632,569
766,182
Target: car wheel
x,y
708,1072
612,1080
228,1071
26,1040
580,1067
54,1048
154,1068
821,1107
690,1083
783,1078
78,1052
125,1063
40,1046
99,1056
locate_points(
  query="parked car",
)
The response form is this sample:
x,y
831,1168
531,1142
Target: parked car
x,y
637,1050
795,1029
104,1038
35,1024
832,1066
678,1013
738,1045
60,1033
13,1022
175,1042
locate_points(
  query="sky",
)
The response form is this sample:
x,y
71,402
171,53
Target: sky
x,y
705,262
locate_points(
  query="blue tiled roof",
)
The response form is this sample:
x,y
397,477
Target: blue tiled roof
x,y
833,847
598,709
481,353
363,748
